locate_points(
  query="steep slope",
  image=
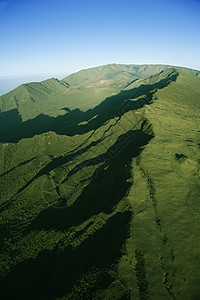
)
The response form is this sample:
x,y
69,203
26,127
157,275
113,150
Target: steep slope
x,y
29,100
49,97
102,203
165,196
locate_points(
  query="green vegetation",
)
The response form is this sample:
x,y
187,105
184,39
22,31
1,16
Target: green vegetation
x,y
99,176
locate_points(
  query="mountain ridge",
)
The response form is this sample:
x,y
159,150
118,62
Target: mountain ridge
x,y
54,92
136,69
101,201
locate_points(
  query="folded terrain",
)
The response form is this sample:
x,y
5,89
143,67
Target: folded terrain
x,y
99,181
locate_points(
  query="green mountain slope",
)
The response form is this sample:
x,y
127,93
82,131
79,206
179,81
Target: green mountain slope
x,y
100,201
117,73
83,90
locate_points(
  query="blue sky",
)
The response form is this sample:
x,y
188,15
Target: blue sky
x,y
61,36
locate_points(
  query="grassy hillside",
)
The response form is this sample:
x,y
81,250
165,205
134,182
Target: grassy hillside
x,y
83,90
100,200
165,196
117,73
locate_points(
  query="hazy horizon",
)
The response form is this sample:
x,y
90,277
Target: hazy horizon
x,y
8,83
48,37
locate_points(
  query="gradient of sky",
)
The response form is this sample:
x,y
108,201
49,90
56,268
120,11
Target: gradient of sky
x,y
61,36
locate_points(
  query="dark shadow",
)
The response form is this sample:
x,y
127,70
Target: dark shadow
x,y
54,273
9,119
108,185
55,163
69,124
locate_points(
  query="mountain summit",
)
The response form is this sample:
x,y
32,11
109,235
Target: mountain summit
x,y
100,185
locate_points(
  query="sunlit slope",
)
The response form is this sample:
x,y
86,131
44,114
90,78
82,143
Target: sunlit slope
x,y
165,197
83,90
102,203
31,92
117,74
49,97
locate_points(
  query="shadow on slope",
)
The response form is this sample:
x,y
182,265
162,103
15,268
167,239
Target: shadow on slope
x,y
69,124
9,119
107,187
54,273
